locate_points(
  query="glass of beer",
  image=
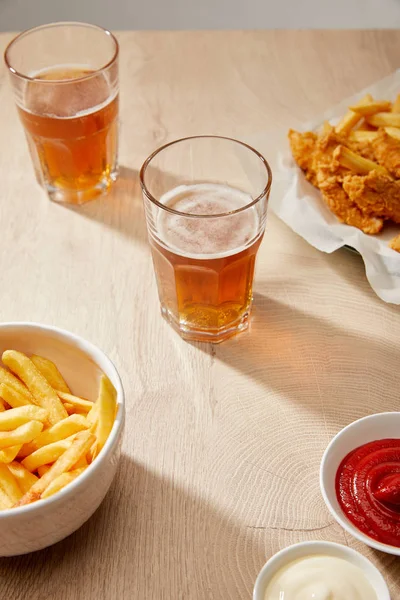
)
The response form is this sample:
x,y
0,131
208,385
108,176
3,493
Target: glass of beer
x,y
206,201
65,81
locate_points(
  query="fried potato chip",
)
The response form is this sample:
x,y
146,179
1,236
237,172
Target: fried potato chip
x,y
24,478
13,418
80,446
61,481
47,454
60,431
43,393
21,435
9,484
50,371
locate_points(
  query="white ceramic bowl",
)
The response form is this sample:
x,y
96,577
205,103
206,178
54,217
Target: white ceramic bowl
x,y
368,429
40,524
288,555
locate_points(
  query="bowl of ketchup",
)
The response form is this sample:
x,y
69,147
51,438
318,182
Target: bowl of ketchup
x,y
360,480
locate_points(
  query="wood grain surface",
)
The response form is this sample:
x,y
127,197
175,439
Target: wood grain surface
x,y
223,444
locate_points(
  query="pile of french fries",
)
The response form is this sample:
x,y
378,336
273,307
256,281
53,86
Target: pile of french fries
x,y
48,436
361,124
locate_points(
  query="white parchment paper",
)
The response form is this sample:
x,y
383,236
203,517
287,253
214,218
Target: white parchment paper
x,y
301,207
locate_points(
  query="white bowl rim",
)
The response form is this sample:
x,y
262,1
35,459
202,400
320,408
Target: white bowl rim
x,y
342,520
317,546
100,357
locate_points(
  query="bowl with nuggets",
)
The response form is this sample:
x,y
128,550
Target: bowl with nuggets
x,y
61,423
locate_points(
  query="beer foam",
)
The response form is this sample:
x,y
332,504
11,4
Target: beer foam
x,y
207,237
72,98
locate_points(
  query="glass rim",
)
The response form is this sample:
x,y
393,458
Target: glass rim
x,y
154,200
18,37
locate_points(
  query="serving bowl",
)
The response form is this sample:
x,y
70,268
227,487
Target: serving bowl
x,y
45,522
304,549
367,429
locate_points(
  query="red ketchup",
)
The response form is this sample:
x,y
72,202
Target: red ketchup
x,y
368,489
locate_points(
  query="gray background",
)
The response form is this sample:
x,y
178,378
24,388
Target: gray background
x,y
204,14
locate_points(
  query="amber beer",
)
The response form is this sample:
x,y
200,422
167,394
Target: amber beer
x,y
72,131
65,81
205,266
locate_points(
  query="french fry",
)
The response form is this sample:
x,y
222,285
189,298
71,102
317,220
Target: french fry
x,y
13,418
13,397
15,384
43,393
371,108
106,403
9,484
23,434
8,454
327,127
362,136
50,371
356,163
364,126
351,118
75,402
60,431
92,414
2,405
24,478
61,481
82,462
80,446
47,454
43,469
396,105
385,119
5,501
394,132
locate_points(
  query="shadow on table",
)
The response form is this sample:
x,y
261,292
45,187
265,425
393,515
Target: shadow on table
x,y
389,565
122,208
310,361
187,549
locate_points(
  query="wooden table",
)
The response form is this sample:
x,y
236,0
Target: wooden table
x,y
223,444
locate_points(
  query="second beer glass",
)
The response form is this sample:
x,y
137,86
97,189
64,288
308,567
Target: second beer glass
x,y
206,204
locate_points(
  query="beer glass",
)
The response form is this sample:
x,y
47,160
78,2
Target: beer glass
x,y
205,201
65,81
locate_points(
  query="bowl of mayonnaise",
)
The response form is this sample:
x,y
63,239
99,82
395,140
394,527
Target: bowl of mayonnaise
x,y
319,571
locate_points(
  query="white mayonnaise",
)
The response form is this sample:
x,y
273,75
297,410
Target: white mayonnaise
x,y
320,578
